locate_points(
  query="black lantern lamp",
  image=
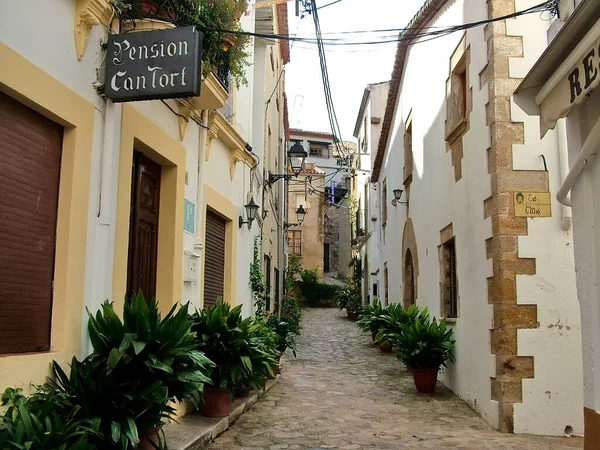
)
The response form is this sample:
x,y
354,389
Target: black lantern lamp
x,y
397,197
297,156
251,212
300,214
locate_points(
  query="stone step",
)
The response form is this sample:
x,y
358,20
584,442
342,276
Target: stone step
x,y
193,431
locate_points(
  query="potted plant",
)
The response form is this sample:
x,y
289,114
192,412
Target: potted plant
x,y
47,419
138,366
224,337
371,318
262,357
425,346
285,338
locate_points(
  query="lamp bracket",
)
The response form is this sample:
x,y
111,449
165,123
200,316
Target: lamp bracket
x,y
274,177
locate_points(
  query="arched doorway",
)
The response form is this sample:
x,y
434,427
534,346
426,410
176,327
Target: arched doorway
x,y
409,280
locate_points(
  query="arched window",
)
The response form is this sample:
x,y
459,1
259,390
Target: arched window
x,y
409,280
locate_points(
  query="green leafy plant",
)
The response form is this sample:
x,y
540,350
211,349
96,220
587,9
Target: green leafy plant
x,y
371,317
219,21
223,335
396,319
45,420
291,312
349,298
138,366
257,285
425,345
262,351
285,336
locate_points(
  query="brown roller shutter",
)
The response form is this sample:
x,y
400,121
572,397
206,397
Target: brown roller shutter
x,y
30,154
214,263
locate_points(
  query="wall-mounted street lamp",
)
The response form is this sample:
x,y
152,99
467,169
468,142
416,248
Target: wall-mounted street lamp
x,y
251,211
397,197
300,215
297,157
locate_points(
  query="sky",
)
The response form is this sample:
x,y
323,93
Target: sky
x,y
350,68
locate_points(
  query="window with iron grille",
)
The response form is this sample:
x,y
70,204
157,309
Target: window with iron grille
x,y
450,281
386,285
295,242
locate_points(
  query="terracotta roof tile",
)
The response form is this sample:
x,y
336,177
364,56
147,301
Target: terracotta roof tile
x,y
321,134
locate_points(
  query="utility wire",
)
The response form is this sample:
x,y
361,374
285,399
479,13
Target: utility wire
x,y
411,34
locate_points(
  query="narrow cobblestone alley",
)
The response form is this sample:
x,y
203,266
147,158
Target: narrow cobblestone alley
x,y
342,393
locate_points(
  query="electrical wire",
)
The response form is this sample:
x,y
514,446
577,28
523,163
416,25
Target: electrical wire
x,y
411,34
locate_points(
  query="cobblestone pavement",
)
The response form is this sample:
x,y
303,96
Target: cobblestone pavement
x,y
341,393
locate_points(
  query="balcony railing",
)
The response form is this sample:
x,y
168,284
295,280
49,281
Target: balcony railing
x,y
222,71
150,9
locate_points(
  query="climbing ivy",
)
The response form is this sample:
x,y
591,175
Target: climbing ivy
x,y
257,285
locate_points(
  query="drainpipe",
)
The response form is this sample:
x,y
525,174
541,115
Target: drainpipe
x,y
588,151
108,144
563,160
199,245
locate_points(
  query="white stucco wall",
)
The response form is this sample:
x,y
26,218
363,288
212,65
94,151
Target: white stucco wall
x,y
436,200
27,30
586,229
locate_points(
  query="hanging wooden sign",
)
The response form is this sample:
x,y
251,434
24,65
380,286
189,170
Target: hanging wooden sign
x,y
152,65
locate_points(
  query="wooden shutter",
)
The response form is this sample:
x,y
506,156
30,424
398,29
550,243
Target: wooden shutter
x,y
214,263
30,155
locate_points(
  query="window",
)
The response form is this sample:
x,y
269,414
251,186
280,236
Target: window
x,y
267,283
366,139
408,152
375,290
384,203
457,94
295,242
450,282
316,151
386,284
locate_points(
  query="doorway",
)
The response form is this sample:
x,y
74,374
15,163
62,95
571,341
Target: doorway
x,y
143,226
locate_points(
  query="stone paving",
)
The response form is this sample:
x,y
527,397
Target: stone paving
x,y
342,393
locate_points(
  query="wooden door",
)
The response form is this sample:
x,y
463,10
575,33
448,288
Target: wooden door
x,y
143,226
214,262
30,158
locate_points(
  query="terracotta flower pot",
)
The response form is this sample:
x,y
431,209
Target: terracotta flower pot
x,y
425,380
385,348
147,439
227,41
242,393
216,402
352,315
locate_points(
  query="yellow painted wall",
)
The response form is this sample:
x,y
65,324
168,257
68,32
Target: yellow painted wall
x,y
38,90
140,133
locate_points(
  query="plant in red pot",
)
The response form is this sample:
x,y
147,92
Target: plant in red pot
x,y
139,365
224,337
425,345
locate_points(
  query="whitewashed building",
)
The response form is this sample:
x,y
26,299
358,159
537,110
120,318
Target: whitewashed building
x,y
366,232
469,223
114,197
562,89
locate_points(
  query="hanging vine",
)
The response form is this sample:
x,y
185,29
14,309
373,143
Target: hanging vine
x,y
257,285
